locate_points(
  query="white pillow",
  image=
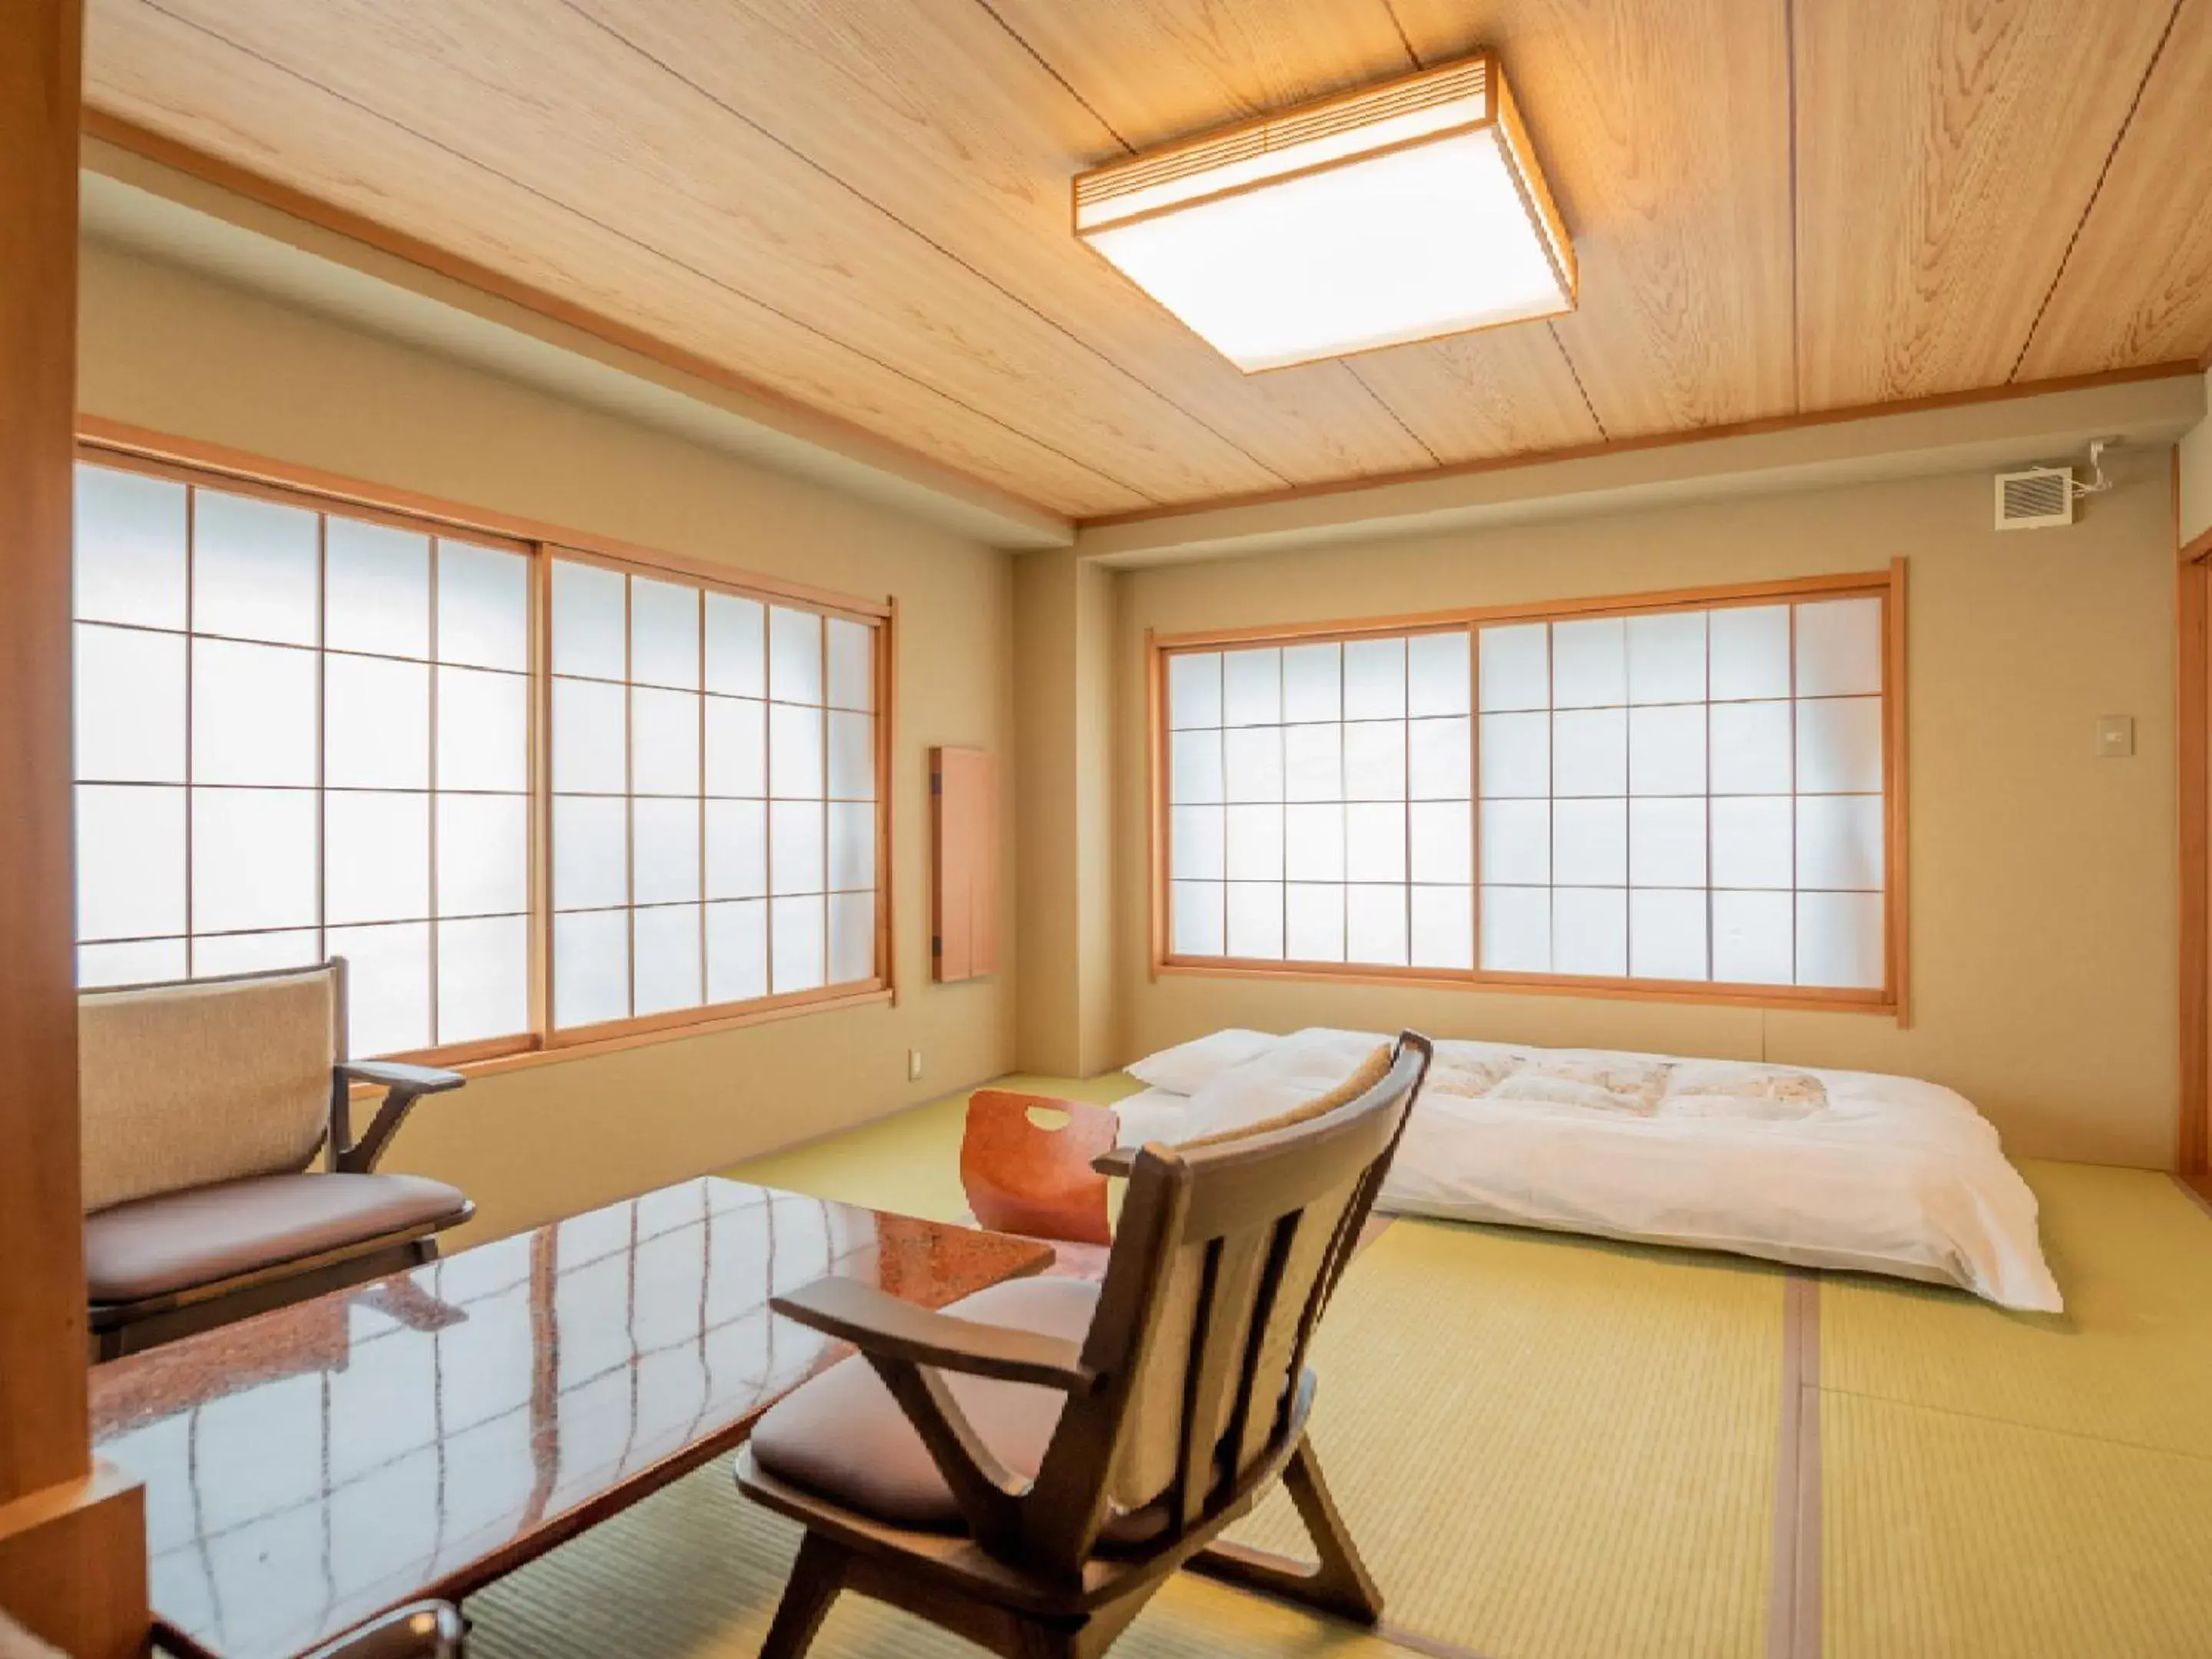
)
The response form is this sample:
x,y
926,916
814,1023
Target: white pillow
x,y
1190,1066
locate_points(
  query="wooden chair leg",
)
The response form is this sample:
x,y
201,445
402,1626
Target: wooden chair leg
x,y
816,1577
1339,1583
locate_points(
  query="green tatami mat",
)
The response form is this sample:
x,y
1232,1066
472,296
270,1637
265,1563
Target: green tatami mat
x,y
1553,1449
909,1161
2129,1360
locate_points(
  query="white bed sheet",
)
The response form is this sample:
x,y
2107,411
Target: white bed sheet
x,y
1891,1176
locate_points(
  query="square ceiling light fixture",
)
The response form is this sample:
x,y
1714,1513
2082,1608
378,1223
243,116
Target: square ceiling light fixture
x,y
1412,210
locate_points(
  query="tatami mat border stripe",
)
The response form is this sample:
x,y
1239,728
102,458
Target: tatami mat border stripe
x,y
1793,1628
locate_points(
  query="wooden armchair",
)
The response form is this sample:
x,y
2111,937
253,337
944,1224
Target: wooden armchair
x,y
1026,1467
204,1104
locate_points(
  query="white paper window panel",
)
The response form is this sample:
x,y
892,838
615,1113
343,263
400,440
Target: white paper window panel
x,y
1515,667
214,954
1375,925
663,853
376,724
1194,689
1753,841
796,944
1375,760
1667,658
1515,756
253,713
130,861
1839,841
591,852
664,633
1516,930
1589,752
1195,918
130,561
1313,763
851,679
1374,679
852,937
736,645
670,957
664,752
794,752
377,595
1313,682
1838,647
135,961
591,967
852,755
737,950
1374,841
483,730
736,746
1516,841
388,987
1252,762
484,855
1751,748
1589,931
1252,688
1443,927
1667,749
1839,745
590,738
737,851
1755,937
1590,663
589,608
1255,920
795,846
1313,843
1253,844
130,705
255,569
1440,841
376,856
795,655
851,847
1437,677
1667,933
1666,843
1313,922
1195,771
1195,843
1440,758
1750,652
1589,843
484,978
483,606
254,860
1839,940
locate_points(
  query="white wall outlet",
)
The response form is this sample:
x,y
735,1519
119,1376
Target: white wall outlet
x,y
2116,737
913,1065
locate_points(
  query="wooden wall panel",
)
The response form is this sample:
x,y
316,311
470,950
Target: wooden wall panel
x,y
965,851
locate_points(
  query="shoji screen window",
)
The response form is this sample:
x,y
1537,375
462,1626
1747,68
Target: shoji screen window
x,y
714,812
302,733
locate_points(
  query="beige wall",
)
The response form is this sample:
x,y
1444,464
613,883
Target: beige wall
x,y
2196,453
2043,935
168,350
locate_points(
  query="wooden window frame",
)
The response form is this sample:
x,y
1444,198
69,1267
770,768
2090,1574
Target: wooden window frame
x,y
114,445
1890,999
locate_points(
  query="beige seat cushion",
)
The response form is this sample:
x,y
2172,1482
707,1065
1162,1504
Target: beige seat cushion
x,y
1372,1071
154,1245
843,1437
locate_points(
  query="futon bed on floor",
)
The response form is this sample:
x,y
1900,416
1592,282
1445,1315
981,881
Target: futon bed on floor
x,y
1822,1168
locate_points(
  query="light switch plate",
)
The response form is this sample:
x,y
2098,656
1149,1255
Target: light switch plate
x,y
2116,737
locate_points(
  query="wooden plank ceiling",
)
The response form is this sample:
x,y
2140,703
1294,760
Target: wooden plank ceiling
x,y
1780,206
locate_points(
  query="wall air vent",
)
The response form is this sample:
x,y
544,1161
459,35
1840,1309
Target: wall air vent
x,y
2037,499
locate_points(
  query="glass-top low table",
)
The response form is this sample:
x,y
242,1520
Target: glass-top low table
x,y
309,1468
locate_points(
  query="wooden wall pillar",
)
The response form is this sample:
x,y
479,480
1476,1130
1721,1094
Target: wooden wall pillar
x,y
72,1537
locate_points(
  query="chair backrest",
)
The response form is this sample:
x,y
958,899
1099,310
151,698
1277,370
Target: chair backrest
x,y
215,1079
1226,1254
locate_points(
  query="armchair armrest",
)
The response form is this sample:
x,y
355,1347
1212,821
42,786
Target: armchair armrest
x,y
404,1086
883,1327
1117,1163
428,1630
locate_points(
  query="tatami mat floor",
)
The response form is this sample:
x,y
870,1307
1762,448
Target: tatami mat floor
x,y
1553,1447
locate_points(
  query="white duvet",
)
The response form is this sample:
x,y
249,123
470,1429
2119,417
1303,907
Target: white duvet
x,y
1821,1169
